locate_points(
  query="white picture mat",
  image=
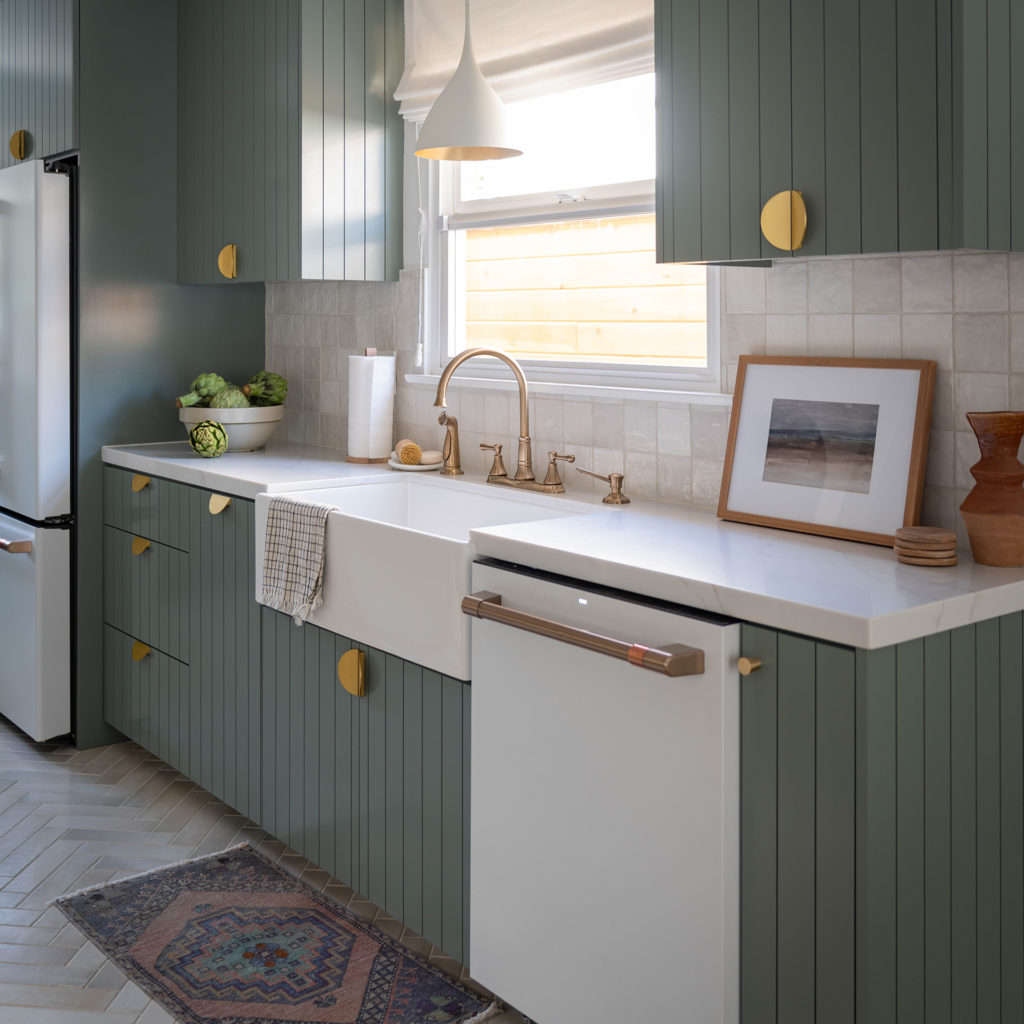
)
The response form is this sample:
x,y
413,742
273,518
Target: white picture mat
x,y
881,510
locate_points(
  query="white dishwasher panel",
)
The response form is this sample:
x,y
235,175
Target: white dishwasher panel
x,y
604,882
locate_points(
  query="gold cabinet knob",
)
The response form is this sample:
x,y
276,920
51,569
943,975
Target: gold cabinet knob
x,y
138,482
748,665
218,502
139,650
19,144
227,261
139,544
784,220
352,672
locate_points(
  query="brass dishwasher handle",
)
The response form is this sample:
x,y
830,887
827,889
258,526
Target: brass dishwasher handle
x,y
669,659
16,547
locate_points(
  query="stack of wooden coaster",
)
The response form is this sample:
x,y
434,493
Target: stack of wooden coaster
x,y
925,545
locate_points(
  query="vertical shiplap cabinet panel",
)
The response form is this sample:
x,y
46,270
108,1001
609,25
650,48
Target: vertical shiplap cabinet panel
x,y
374,789
882,841
714,116
759,828
807,31
744,141
225,652
38,90
238,166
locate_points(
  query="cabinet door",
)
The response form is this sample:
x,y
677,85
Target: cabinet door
x,y
37,76
289,139
881,837
850,105
373,789
238,138
224,705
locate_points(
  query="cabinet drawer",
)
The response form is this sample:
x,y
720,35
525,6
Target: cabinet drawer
x,y
146,696
158,510
145,591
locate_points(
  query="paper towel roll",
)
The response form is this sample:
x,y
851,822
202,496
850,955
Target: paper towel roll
x,y
371,406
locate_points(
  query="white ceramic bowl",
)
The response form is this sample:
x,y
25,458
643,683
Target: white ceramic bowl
x,y
248,429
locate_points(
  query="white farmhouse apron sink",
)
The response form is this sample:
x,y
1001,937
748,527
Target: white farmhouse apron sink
x,y
398,559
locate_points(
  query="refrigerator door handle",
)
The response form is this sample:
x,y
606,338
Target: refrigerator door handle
x,y
16,547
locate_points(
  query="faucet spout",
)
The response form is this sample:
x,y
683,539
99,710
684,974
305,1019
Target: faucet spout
x,y
524,467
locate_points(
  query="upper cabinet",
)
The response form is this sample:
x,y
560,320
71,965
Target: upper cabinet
x,y
37,79
289,140
895,121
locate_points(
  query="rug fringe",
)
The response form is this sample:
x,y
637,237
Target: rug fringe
x,y
492,1011
142,874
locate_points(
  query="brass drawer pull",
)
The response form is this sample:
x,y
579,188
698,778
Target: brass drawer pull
x,y
138,482
227,261
668,659
16,547
139,544
139,650
748,665
218,502
352,672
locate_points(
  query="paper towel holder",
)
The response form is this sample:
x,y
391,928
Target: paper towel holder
x,y
363,461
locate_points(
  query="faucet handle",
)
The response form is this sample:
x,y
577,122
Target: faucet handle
x,y
615,481
498,465
553,479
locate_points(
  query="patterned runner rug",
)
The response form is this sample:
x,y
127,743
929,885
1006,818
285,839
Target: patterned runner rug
x,y
233,938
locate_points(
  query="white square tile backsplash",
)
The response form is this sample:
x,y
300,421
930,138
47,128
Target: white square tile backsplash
x,y
964,310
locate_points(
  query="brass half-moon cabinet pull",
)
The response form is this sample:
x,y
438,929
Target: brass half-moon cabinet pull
x,y
352,672
139,544
140,650
138,482
227,261
784,220
19,144
218,502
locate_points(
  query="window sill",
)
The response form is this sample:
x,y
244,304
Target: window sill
x,y
548,388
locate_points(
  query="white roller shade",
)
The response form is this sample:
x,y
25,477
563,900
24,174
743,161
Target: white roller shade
x,y
524,47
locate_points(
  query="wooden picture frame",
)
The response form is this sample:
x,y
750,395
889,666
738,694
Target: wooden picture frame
x,y
828,446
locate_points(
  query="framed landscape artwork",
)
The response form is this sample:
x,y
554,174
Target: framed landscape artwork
x,y
829,446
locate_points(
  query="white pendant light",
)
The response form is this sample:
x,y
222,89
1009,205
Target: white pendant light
x,y
467,121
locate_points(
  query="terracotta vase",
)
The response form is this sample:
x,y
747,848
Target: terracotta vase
x,y
994,510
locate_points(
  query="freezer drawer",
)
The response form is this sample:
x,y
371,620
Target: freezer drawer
x,y
35,628
604,881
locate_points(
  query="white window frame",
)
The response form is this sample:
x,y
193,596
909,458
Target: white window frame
x,y
446,216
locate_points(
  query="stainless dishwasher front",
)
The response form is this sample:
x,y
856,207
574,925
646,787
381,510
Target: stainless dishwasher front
x,y
604,860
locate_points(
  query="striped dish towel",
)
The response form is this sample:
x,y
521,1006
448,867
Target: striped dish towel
x,y
293,560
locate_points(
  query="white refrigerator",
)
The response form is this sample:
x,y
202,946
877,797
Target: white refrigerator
x,y
35,450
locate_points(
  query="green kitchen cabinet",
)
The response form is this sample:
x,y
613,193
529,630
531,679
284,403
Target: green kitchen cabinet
x,y
38,93
899,123
289,139
374,789
882,843
224,624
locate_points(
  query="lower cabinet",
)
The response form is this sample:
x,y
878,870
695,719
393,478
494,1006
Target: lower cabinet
x,y
881,833
234,695
374,789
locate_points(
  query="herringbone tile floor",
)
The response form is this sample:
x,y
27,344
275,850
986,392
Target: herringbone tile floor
x,y
70,819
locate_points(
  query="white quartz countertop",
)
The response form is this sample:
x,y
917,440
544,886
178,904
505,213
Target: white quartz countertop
x,y
281,466
842,591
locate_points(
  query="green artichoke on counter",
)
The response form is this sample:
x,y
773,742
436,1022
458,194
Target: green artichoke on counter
x,y
266,388
203,388
230,397
208,439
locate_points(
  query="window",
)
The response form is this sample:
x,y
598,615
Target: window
x,y
551,256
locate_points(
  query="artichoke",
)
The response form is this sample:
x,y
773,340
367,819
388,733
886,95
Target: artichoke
x,y
208,439
203,388
266,388
230,397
